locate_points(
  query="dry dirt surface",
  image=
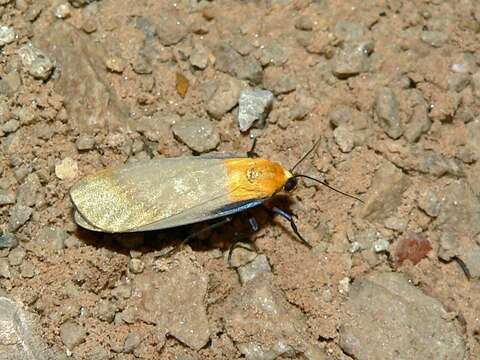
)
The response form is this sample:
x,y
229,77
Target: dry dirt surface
x,y
390,88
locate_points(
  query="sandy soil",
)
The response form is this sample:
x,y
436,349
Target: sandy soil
x,y
390,88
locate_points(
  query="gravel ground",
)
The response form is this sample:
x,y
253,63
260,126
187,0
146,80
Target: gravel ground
x,y
390,88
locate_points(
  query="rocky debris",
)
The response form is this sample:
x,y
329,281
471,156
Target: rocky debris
x,y
273,54
344,138
170,29
229,61
224,98
200,57
27,191
254,106
72,334
16,256
198,133
7,197
174,300
241,256
470,256
19,335
66,169
385,194
386,316
62,11
136,266
132,341
387,113
85,142
19,215
10,126
419,123
80,3
8,241
304,23
412,246
89,98
7,35
27,269
251,270
428,201
351,60
276,80
434,38
263,324
5,269
36,62
105,310
53,238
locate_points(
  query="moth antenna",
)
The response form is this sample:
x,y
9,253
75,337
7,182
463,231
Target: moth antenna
x,y
328,186
306,155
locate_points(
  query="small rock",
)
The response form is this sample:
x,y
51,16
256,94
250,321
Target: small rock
x,y
10,126
53,238
115,64
141,65
224,98
448,247
62,11
123,291
199,134
277,81
344,286
344,138
170,29
381,245
419,124
304,23
434,38
471,258
229,61
16,256
386,109
241,45
89,25
72,242
37,63
386,315
136,266
388,185
254,106
67,169
200,57
429,202
5,269
350,61
27,191
8,241
72,334
27,270
19,215
273,54
395,223
412,246
131,342
105,310
7,35
7,197
349,31
252,269
80,3
241,256
458,81
85,142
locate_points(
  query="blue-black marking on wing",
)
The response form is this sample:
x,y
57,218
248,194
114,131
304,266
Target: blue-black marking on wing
x,y
237,207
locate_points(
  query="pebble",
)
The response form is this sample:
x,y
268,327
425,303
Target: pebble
x,y
395,223
115,64
273,54
80,3
123,291
85,142
7,197
8,241
386,109
241,256
198,133
10,126
349,31
457,82
37,63
380,313
19,215
136,266
16,256
27,269
251,270
105,310
381,245
344,286
448,247
72,242
27,191
419,124
434,38
224,98
276,80
429,202
350,61
241,45
344,138
229,61
200,57
170,29
62,11
5,269
132,340
254,106
72,334
7,35
53,237
471,258
304,23
66,169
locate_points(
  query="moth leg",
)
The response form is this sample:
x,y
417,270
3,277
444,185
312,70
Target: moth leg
x,y
195,234
252,153
289,218
236,242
